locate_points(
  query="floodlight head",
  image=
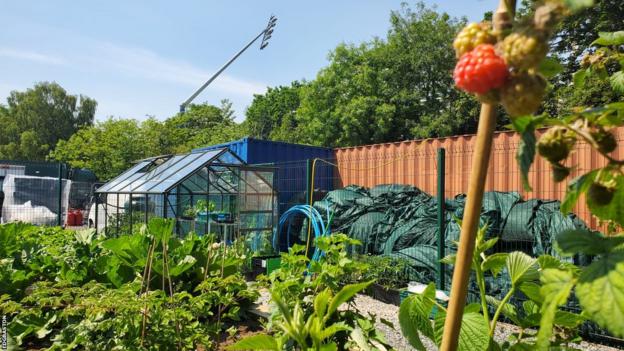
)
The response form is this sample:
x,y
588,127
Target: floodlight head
x,y
268,31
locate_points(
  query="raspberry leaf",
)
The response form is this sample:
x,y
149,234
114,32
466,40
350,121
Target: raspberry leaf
x,y
614,209
473,334
579,78
525,125
575,241
576,187
414,317
617,82
600,291
610,38
556,287
550,67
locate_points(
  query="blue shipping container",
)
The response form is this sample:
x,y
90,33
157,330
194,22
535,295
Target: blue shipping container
x,y
291,161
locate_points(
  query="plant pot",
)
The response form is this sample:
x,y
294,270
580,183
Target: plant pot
x,y
387,295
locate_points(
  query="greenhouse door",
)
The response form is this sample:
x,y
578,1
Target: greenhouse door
x,y
258,208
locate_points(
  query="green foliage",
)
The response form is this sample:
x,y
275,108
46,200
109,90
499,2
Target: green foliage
x,y
604,187
202,125
31,253
75,290
34,121
389,89
109,147
416,310
477,329
308,300
389,272
273,115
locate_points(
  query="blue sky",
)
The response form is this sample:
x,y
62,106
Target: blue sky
x,y
139,58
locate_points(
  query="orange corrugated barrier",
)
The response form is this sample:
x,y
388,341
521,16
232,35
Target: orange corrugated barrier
x,y
414,163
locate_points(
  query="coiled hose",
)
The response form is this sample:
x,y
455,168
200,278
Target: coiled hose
x,y
315,221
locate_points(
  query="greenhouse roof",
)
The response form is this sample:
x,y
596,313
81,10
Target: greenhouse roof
x,y
158,175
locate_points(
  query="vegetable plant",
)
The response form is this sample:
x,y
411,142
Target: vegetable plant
x,y
307,296
147,290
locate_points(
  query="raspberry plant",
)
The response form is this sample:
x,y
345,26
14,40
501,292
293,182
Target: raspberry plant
x,y
598,287
519,84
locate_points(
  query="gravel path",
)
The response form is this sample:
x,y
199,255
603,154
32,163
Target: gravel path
x,y
391,313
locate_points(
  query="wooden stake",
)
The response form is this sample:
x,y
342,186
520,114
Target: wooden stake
x,y
472,212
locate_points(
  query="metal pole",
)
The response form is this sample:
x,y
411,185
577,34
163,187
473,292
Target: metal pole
x,y
97,204
309,180
59,216
147,208
130,214
117,215
441,218
214,76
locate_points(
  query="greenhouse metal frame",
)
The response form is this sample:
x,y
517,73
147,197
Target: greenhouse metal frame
x,y
205,192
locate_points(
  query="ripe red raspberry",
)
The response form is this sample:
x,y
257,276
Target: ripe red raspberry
x,y
480,70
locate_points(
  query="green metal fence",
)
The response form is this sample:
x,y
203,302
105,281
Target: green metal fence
x,y
43,193
393,217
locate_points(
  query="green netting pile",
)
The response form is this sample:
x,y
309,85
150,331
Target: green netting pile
x,y
401,221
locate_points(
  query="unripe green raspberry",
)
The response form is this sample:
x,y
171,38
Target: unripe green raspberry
x,y
605,140
600,194
524,50
555,145
523,93
559,172
548,15
471,36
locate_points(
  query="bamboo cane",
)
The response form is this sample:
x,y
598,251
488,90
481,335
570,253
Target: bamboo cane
x,y
476,186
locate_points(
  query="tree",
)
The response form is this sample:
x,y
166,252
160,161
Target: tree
x,y
35,120
573,41
272,115
388,90
107,149
203,125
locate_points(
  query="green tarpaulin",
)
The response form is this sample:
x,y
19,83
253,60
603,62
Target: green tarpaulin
x,y
401,221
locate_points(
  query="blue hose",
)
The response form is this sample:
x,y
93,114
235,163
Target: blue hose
x,y
314,219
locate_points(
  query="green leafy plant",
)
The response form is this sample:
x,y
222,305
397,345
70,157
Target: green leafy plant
x,y
307,295
598,286
478,324
148,290
389,272
300,279
319,330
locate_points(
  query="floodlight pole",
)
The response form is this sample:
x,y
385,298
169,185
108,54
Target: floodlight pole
x,y
266,32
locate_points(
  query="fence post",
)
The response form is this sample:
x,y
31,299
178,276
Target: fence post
x,y
59,216
309,192
97,205
441,218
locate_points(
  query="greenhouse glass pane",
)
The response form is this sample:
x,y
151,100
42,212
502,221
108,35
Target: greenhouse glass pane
x,y
172,176
229,158
136,183
122,177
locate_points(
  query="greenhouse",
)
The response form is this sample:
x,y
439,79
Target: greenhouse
x,y
205,192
